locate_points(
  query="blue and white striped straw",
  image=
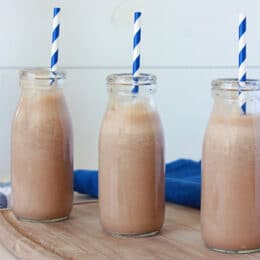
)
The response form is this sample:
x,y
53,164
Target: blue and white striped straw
x,y
55,38
242,62
136,48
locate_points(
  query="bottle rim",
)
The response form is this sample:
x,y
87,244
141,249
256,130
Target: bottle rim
x,y
232,84
127,79
41,74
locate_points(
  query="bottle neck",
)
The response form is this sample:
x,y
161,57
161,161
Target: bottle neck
x,y
116,99
41,79
226,102
35,88
125,84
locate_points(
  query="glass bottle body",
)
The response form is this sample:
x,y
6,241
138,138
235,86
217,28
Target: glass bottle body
x,y
131,161
230,209
42,150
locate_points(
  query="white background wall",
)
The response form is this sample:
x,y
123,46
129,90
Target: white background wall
x,y
185,43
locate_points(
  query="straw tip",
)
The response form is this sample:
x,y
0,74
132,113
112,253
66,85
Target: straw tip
x,y
56,10
137,14
242,16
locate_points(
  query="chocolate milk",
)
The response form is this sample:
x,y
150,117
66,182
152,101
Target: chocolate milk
x,y
230,210
131,169
42,156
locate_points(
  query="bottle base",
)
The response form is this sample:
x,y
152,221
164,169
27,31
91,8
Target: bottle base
x,y
42,220
234,251
149,234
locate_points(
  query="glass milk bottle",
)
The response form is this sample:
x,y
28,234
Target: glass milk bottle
x,y
230,210
131,159
42,149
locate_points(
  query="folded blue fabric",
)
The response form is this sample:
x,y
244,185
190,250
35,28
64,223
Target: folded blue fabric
x,y
3,201
86,181
182,182
4,194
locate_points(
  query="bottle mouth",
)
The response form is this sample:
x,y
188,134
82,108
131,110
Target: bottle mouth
x,y
41,74
127,79
232,84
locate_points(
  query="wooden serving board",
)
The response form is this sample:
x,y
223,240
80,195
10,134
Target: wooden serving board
x,y
81,237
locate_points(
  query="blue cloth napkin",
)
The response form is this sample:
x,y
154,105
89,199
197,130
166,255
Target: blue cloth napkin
x,y
4,194
3,201
182,181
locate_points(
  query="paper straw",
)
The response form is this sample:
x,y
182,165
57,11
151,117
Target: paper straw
x,y
55,38
136,48
242,62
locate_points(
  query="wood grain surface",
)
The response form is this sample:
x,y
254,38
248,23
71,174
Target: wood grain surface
x,y
81,237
